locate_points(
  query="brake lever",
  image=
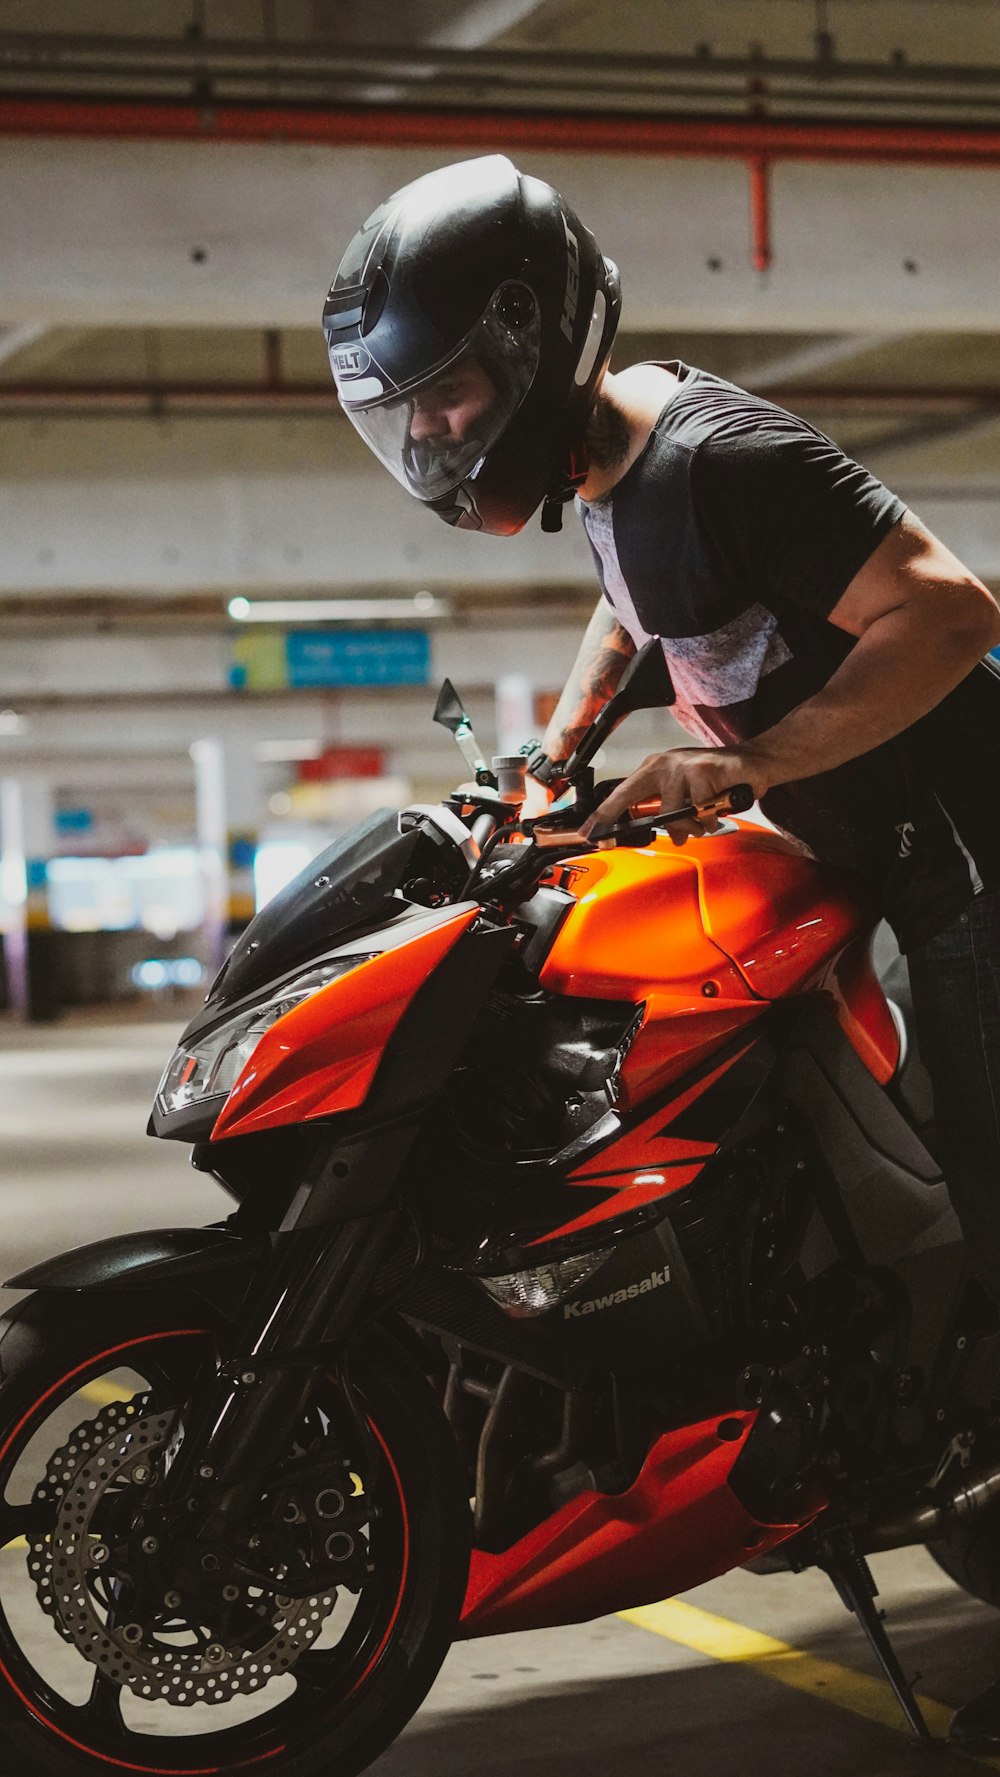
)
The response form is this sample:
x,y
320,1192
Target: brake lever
x,y
736,800
562,828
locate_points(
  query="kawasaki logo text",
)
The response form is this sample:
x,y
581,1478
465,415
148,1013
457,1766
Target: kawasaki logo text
x,y
572,1310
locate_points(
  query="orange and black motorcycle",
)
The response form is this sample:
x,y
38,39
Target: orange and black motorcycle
x,y
586,1183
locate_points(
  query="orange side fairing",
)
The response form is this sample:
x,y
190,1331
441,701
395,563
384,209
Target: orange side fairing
x,y
792,925
323,1055
637,934
705,935
779,914
863,1010
704,938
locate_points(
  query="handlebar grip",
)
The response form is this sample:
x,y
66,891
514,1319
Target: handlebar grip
x,y
735,800
639,825
644,817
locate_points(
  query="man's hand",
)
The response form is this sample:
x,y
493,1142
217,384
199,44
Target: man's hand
x,y
685,774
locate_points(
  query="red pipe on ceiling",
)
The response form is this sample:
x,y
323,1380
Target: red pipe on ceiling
x,y
759,169
624,132
757,139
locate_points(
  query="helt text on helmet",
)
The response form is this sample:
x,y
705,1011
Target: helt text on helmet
x,y
572,295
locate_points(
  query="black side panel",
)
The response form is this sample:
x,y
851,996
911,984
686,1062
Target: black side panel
x,y
890,1185
429,1038
447,1304
895,1200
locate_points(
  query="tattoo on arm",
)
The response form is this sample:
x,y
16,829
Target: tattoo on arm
x,y
604,654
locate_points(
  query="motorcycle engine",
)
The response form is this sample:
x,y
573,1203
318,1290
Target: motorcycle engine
x,y
540,1071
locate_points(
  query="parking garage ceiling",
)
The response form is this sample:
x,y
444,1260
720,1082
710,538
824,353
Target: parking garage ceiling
x,y
804,195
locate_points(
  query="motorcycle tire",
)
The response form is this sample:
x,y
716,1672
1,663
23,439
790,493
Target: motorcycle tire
x,y
337,1708
970,1556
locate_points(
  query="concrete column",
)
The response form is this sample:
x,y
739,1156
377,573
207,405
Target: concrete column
x,y
515,711
228,815
208,758
13,878
27,842
244,817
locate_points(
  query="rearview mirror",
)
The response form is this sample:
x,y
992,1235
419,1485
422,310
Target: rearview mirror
x,y
644,685
449,711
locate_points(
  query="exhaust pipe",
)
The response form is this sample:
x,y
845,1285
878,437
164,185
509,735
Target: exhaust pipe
x,y
923,1523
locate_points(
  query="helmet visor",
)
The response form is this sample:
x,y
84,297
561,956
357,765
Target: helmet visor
x,y
434,434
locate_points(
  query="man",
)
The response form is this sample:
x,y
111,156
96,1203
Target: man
x,y
823,645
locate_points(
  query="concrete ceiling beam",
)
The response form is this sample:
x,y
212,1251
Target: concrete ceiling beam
x,y
14,341
203,505
125,669
809,360
35,346
207,507
477,23
150,233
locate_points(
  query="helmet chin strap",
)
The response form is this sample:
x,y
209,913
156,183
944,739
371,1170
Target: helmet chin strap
x,y
574,477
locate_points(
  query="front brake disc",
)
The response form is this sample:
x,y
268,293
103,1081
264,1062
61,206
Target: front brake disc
x,y
99,1457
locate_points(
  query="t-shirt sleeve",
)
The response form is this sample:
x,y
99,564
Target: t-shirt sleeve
x,y
788,514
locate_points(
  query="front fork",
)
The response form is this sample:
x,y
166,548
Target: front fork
x,y
242,1417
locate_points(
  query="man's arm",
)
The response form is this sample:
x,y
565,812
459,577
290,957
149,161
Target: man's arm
x,y
922,621
604,654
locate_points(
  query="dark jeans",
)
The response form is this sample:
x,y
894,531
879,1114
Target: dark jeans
x,y
955,983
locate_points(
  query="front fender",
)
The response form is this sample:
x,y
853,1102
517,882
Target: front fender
x,y
213,1263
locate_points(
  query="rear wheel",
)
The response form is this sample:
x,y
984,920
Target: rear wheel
x,y
307,1647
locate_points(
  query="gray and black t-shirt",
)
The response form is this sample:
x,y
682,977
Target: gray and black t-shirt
x,y
732,537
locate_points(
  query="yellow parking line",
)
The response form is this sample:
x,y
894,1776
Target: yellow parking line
x,y
860,1693
101,1393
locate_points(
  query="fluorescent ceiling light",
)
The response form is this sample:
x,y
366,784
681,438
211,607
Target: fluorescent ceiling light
x,y
420,607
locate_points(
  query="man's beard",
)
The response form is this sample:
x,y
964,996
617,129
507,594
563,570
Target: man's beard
x,y
608,436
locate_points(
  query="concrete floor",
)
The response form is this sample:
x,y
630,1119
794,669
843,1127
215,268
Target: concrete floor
x,y
604,1697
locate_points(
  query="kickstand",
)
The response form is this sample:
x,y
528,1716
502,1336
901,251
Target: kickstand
x,y
856,1588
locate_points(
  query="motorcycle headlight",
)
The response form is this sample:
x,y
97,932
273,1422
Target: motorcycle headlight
x,y
210,1066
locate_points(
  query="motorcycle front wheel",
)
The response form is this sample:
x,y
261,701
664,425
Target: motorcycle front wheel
x,y
111,1661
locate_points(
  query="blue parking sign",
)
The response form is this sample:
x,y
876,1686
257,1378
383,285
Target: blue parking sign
x,y
332,658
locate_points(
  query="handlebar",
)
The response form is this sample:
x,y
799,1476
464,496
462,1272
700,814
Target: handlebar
x,y
551,830
561,831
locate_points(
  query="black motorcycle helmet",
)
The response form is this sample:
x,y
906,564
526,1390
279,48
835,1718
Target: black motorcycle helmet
x,y
468,326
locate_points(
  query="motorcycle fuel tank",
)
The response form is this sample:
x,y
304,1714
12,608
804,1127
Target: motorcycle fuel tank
x,y
706,935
